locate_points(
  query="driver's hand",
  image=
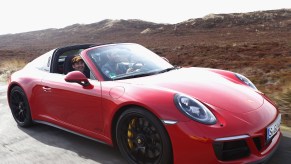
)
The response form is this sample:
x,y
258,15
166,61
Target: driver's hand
x,y
130,69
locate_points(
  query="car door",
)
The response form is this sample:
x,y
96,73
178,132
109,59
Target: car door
x,y
72,106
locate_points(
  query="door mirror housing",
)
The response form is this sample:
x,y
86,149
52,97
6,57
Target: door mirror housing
x,y
78,77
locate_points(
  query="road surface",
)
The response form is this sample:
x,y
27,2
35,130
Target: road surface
x,y
44,144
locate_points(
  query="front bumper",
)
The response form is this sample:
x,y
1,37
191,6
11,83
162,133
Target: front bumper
x,y
190,148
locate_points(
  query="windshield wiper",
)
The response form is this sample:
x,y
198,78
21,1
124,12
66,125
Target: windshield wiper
x,y
135,76
167,69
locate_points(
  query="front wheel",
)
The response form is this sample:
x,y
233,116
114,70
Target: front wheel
x,y
20,107
142,138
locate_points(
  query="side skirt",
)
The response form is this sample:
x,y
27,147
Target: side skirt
x,y
67,130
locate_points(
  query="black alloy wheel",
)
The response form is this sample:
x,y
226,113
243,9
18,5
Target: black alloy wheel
x,y
142,138
20,107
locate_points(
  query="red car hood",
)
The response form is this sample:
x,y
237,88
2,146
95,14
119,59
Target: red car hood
x,y
206,86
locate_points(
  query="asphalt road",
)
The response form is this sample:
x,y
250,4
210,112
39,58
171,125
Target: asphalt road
x,y
44,144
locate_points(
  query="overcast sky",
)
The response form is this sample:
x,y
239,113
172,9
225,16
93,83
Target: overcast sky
x,y
30,15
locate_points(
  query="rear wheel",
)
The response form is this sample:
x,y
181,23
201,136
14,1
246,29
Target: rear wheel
x,y
142,138
20,107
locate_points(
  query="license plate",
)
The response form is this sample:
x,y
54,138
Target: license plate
x,y
273,128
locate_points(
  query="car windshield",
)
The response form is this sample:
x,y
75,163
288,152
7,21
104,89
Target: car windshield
x,y
127,60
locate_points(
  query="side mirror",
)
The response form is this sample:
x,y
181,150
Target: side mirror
x,y
78,77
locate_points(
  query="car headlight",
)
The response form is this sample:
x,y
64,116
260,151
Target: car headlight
x,y
246,81
194,109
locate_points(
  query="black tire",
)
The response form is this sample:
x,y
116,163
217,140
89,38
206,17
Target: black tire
x,y
142,138
20,107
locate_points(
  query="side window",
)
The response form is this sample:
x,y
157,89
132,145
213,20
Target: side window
x,y
65,61
65,64
43,62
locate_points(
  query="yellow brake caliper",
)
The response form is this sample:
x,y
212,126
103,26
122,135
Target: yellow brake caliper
x,y
129,133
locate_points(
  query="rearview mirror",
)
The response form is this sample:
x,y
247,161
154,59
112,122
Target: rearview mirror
x,y
77,77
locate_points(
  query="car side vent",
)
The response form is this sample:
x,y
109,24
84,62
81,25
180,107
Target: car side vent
x,y
231,150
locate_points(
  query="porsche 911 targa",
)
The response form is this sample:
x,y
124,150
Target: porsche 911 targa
x,y
127,96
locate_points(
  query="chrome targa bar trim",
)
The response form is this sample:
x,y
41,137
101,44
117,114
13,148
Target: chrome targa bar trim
x,y
170,122
232,138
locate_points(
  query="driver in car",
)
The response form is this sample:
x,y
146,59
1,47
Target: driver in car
x,y
79,65
113,66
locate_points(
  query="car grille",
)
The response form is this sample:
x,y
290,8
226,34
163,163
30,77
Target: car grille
x,y
231,150
236,149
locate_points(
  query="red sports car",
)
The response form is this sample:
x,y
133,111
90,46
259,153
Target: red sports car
x,y
125,95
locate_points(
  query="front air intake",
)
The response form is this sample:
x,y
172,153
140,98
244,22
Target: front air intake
x,y
231,150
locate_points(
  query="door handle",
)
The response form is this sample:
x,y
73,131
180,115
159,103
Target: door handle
x,y
46,89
